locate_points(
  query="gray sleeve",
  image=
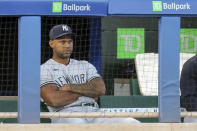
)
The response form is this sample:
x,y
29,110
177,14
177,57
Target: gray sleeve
x,y
46,76
91,72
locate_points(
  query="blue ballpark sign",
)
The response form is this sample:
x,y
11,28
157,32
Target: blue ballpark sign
x,y
53,7
152,7
98,7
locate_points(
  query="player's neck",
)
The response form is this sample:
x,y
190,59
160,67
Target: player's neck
x,y
62,61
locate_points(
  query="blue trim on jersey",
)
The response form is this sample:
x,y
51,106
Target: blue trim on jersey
x,y
48,82
93,78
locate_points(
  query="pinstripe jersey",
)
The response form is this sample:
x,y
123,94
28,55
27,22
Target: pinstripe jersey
x,y
76,72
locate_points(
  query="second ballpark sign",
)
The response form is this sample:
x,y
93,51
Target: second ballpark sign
x,y
181,7
160,6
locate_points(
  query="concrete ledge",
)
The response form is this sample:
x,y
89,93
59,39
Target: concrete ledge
x,y
99,127
8,97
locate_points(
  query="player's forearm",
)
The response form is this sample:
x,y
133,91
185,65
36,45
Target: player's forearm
x,y
90,89
62,98
86,89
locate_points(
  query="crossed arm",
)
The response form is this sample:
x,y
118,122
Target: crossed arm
x,y
69,93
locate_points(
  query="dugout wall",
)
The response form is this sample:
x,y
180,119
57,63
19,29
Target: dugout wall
x,y
169,29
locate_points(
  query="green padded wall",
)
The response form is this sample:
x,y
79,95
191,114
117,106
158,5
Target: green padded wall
x,y
11,106
130,102
8,106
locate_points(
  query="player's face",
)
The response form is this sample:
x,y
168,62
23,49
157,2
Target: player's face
x,y
62,47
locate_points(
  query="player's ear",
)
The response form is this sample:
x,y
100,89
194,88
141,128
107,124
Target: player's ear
x,y
51,44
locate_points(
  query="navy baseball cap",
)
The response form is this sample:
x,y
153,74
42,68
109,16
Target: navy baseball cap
x,y
59,30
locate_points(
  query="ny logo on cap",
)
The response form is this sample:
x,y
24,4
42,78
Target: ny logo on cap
x,y
65,28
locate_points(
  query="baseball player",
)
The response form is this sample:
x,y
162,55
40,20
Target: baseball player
x,y
69,85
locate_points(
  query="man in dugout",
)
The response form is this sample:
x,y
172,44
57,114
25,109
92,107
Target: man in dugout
x,y
69,85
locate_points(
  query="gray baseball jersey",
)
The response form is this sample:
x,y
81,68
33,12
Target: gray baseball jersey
x,y
76,72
